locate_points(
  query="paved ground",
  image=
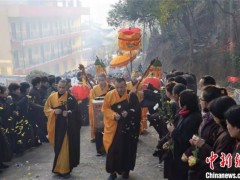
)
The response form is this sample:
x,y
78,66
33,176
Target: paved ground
x,y
36,163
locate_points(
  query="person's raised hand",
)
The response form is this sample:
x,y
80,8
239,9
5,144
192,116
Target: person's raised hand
x,y
124,113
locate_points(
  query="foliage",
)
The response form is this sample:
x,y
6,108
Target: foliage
x,y
165,110
194,32
191,155
234,59
167,9
171,147
230,51
172,10
118,14
35,73
132,11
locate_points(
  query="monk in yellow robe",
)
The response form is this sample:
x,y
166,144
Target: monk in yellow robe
x,y
63,129
122,114
98,92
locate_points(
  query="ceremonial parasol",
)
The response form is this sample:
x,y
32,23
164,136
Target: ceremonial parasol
x,y
123,60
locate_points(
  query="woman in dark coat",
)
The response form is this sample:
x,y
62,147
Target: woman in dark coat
x,y
223,143
18,122
190,119
167,156
233,127
14,119
24,106
5,111
208,128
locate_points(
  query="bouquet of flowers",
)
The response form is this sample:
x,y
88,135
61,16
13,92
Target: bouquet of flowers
x,y
191,155
164,110
169,146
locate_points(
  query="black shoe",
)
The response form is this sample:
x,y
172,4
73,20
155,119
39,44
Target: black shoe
x,y
156,153
64,176
45,140
3,166
125,175
99,154
112,176
37,144
18,153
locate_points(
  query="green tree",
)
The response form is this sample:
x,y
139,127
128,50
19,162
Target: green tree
x,y
230,8
117,14
144,12
34,74
175,11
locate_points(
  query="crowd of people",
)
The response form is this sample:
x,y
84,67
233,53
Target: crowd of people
x,y
23,124
194,121
202,133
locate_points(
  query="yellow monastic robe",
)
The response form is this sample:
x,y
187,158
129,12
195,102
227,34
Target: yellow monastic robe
x,y
110,124
144,110
144,119
62,165
95,92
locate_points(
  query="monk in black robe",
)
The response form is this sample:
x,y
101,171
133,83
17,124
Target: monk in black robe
x,y
63,130
122,116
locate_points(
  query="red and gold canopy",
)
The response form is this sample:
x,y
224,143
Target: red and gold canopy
x,y
129,39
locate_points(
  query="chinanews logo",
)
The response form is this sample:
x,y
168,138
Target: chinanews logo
x,y
213,175
227,161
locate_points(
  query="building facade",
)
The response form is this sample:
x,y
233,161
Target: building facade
x,y
41,36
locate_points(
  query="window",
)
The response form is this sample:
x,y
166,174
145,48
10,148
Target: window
x,y
28,29
13,30
16,59
30,55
